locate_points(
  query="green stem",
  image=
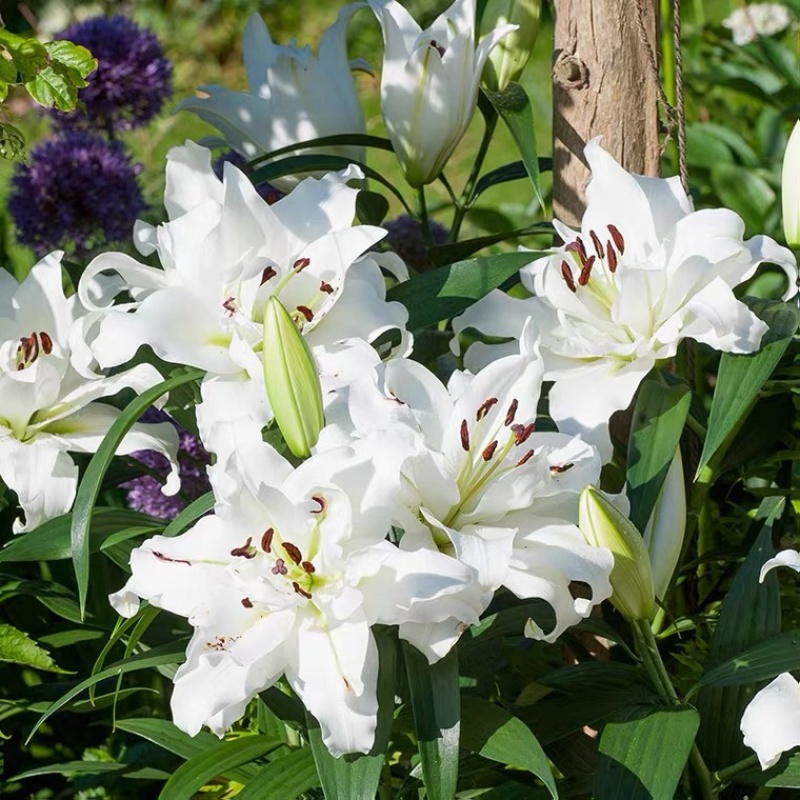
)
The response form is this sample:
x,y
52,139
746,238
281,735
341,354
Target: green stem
x,y
467,198
723,776
423,218
699,13
667,52
696,427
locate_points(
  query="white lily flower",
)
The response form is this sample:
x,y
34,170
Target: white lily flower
x,y
224,251
771,721
482,486
644,272
48,391
293,96
790,188
429,83
785,558
287,581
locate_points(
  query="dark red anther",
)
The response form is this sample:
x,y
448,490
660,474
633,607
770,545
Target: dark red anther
x,y
267,275
464,435
302,592
512,411
324,286
436,46
522,432
308,567
266,540
578,247
488,451
247,602
320,501
246,551
301,264
162,557
526,458
47,343
559,468
29,348
612,258
484,408
279,568
598,245
583,278
293,551
566,274
229,305
619,242
306,312
20,367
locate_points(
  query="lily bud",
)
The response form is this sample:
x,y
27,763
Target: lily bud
x,y
790,188
509,57
666,527
604,525
291,378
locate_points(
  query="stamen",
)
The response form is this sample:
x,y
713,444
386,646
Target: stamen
x,y
301,264
306,312
512,412
266,540
484,408
619,242
308,567
300,591
598,245
230,305
522,432
320,501
488,451
583,278
559,468
324,286
566,274
438,47
47,343
464,435
162,557
293,551
247,551
612,258
577,247
247,602
279,568
526,458
268,274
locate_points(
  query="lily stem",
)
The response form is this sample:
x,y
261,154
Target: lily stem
x,y
723,776
649,652
423,218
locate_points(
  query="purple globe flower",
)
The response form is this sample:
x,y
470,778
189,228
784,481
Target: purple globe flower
x,y
144,493
132,81
78,193
405,238
266,190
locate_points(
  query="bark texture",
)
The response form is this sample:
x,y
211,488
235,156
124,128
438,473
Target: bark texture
x,y
602,85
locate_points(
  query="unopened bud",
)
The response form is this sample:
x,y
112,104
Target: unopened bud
x,y
604,525
291,378
790,188
663,535
509,57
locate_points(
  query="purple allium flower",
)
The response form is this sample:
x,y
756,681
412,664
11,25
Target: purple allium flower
x,y
266,190
132,81
78,193
144,493
405,238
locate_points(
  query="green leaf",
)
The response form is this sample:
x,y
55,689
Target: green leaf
x,y
74,57
171,653
70,768
740,377
337,140
284,779
51,88
18,648
371,207
516,110
191,776
436,703
448,253
642,758
493,733
761,662
12,142
28,54
163,733
508,172
750,614
658,421
785,774
93,477
51,540
188,515
745,191
445,292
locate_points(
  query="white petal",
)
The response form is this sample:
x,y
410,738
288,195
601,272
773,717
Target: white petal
x,y
771,722
785,558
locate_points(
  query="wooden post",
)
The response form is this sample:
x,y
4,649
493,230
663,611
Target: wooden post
x,y
603,84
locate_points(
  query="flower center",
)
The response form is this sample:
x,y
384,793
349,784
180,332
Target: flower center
x,y
31,347
606,257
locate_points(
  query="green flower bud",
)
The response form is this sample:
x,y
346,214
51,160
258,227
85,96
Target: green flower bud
x,y
790,188
509,57
604,525
290,375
